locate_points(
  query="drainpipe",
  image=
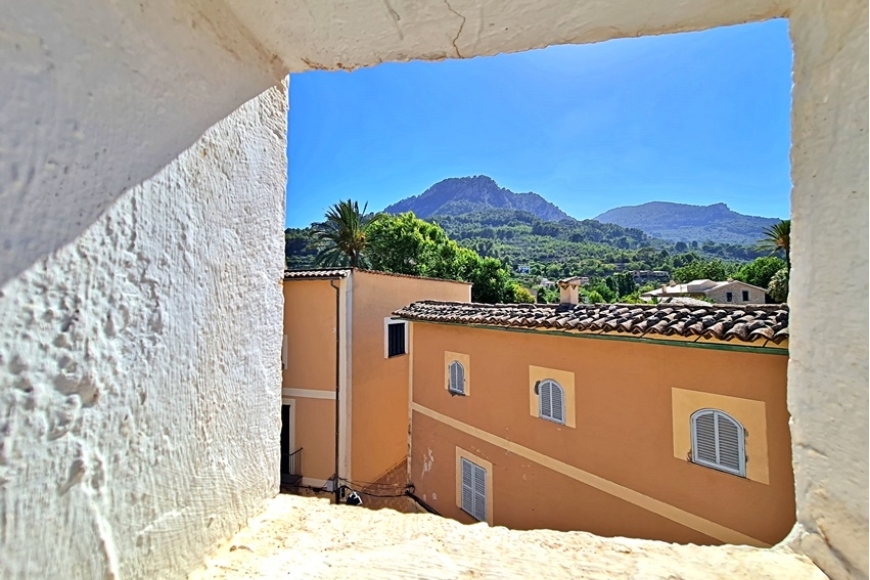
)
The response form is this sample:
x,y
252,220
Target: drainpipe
x,y
335,484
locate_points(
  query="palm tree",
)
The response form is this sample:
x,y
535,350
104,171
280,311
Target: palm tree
x,y
776,238
343,237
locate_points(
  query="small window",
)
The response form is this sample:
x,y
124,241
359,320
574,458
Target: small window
x,y
473,490
284,353
718,441
746,295
729,297
456,380
551,401
396,339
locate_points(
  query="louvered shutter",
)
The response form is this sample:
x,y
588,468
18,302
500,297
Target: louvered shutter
x,y
479,493
546,400
705,437
557,399
728,443
718,441
467,486
552,401
460,378
457,377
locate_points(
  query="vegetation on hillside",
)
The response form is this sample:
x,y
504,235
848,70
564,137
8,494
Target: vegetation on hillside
x,y
679,221
402,244
508,255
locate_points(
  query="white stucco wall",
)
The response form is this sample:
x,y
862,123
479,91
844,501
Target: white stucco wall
x,y
98,96
140,367
176,309
827,375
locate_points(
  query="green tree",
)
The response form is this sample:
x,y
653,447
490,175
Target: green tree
x,y
760,271
491,283
405,244
777,238
523,296
701,269
594,297
778,288
343,239
625,284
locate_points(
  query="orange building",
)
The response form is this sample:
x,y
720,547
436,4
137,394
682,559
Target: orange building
x,y
649,421
340,343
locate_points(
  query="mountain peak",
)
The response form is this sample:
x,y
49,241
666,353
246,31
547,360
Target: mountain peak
x,y
462,195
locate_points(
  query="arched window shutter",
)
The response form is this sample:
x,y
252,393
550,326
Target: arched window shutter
x,y
730,442
546,400
558,404
551,401
718,441
705,437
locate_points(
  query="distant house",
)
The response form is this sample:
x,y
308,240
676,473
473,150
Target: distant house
x,y
728,292
340,339
524,269
642,420
644,276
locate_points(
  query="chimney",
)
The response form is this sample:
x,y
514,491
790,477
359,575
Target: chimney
x,y
568,291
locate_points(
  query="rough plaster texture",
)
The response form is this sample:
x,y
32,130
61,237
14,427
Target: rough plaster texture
x,y
140,368
827,377
310,538
99,95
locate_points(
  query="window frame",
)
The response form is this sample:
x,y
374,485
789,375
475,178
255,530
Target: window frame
x,y
450,387
745,295
388,321
717,465
284,353
729,297
550,417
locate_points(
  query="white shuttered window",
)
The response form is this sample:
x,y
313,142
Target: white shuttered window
x,y
473,490
456,384
718,441
551,401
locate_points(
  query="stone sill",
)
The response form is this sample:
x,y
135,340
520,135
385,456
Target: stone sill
x,y
300,537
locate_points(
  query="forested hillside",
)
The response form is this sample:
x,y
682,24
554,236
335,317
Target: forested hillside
x,y
684,222
566,248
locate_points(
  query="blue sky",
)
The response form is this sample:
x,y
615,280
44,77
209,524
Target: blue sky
x,y
696,118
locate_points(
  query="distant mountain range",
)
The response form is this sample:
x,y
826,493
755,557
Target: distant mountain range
x,y
682,222
461,196
458,196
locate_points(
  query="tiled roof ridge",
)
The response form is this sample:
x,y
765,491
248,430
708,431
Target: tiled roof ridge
x,y
743,323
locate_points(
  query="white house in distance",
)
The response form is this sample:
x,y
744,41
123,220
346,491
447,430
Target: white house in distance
x,y
728,292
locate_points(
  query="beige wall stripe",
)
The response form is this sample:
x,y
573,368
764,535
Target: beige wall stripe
x,y
653,505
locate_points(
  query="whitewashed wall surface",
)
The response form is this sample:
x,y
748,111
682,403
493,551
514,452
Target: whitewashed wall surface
x,y
140,253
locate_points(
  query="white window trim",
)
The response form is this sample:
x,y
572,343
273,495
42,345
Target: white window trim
x,y
387,322
741,442
540,403
450,387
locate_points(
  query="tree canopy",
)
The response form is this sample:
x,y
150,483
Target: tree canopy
x,y
343,238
